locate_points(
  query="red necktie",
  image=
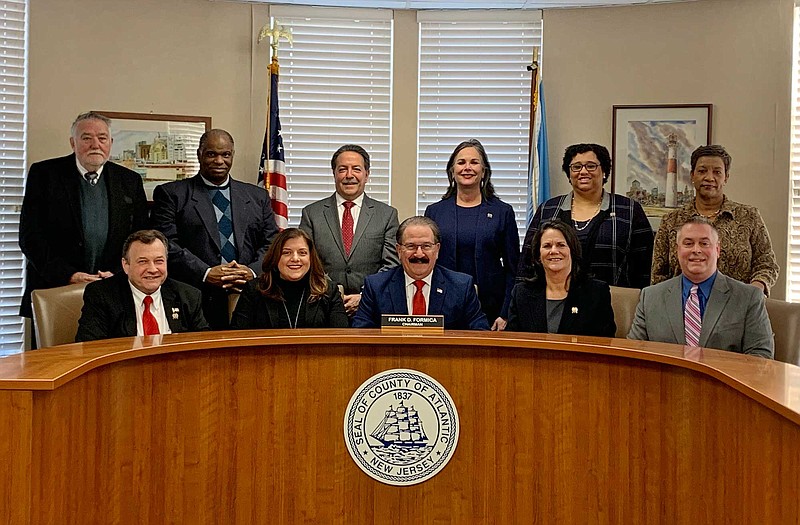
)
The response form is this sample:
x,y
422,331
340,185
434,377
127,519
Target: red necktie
x,y
149,323
347,226
418,303
692,322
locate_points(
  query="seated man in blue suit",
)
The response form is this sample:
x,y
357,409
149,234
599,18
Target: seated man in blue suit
x,y
420,286
702,307
141,301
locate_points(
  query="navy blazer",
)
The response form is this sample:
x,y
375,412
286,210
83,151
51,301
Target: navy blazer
x,y
183,211
51,228
452,295
253,310
108,309
496,250
587,309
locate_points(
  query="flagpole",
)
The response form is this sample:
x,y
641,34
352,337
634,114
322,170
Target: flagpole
x,y
534,67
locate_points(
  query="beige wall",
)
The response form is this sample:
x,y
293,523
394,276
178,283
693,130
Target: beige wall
x,y
734,54
197,57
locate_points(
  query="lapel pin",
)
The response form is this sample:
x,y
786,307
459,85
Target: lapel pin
x,y
175,309
175,315
489,215
574,309
439,290
613,214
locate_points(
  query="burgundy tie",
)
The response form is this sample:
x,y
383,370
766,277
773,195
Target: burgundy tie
x,y
418,303
347,227
149,323
692,322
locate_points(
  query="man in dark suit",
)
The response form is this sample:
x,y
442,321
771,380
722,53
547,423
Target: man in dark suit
x,y
218,228
77,211
353,233
143,301
702,307
420,286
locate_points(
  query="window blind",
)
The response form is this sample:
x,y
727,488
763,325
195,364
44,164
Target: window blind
x,y
474,83
335,89
13,78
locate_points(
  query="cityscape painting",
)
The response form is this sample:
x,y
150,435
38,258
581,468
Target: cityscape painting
x,y
652,148
160,148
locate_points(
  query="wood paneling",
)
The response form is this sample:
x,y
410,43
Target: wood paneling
x,y
249,430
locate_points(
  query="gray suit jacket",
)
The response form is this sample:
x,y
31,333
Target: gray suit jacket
x,y
374,240
735,317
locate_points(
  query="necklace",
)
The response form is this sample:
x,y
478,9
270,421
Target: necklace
x,y
587,221
710,215
297,315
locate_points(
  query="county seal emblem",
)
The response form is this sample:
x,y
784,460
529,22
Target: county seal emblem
x,y
401,427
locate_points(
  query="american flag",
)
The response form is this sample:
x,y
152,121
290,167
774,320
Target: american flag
x,y
272,156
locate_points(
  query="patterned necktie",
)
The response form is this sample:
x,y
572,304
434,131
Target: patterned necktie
x,y
347,226
91,177
691,318
227,250
149,323
418,303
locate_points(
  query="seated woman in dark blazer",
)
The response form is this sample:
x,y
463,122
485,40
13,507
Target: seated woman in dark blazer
x,y
292,291
560,298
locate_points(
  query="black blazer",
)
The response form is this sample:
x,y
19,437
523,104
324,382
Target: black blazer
x,y
51,230
587,310
256,311
108,309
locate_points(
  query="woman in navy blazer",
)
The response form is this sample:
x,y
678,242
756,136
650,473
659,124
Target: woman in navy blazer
x,y
561,298
479,231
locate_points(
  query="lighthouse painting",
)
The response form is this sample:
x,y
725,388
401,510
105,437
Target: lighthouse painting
x,y
652,150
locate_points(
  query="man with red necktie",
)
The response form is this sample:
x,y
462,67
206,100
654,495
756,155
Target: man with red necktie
x,y
703,307
419,286
143,300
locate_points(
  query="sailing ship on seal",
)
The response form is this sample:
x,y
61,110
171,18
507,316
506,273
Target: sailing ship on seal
x,y
401,426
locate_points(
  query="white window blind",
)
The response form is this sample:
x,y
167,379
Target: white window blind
x,y
474,83
793,250
13,78
335,89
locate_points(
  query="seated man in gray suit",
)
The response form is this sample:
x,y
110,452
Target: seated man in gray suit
x,y
141,301
703,307
354,234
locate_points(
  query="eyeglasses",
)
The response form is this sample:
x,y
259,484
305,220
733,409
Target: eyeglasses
x,y
411,248
591,167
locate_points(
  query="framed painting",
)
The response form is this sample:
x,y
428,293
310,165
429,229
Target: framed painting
x,y
161,148
652,147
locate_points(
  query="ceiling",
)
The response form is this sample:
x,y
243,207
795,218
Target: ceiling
x,y
466,4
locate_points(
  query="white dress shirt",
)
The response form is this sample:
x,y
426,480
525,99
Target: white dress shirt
x,y
411,289
355,211
157,309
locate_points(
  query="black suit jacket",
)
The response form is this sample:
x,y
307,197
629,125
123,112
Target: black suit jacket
x,y
108,309
183,211
253,310
587,310
51,230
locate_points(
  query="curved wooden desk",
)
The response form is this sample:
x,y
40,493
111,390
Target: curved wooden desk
x,y
246,427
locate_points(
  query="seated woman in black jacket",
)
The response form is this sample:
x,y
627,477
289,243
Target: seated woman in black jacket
x,y
560,298
293,290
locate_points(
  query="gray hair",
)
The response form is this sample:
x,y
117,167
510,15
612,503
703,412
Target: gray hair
x,y
89,115
418,220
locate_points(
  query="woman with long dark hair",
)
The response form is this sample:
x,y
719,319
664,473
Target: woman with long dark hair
x,y
479,231
560,298
292,291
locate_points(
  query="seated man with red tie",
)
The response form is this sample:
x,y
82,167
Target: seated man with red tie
x,y
143,301
419,286
703,307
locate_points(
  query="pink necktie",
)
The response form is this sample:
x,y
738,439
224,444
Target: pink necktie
x,y
347,226
691,318
149,323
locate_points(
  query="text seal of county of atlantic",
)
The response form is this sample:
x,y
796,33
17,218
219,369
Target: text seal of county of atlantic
x,y
401,427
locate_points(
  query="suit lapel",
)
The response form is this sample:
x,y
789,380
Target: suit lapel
x,y
313,311
73,198
240,204
129,327
364,216
673,306
332,218
715,305
201,201
437,295
274,312
397,292
172,308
